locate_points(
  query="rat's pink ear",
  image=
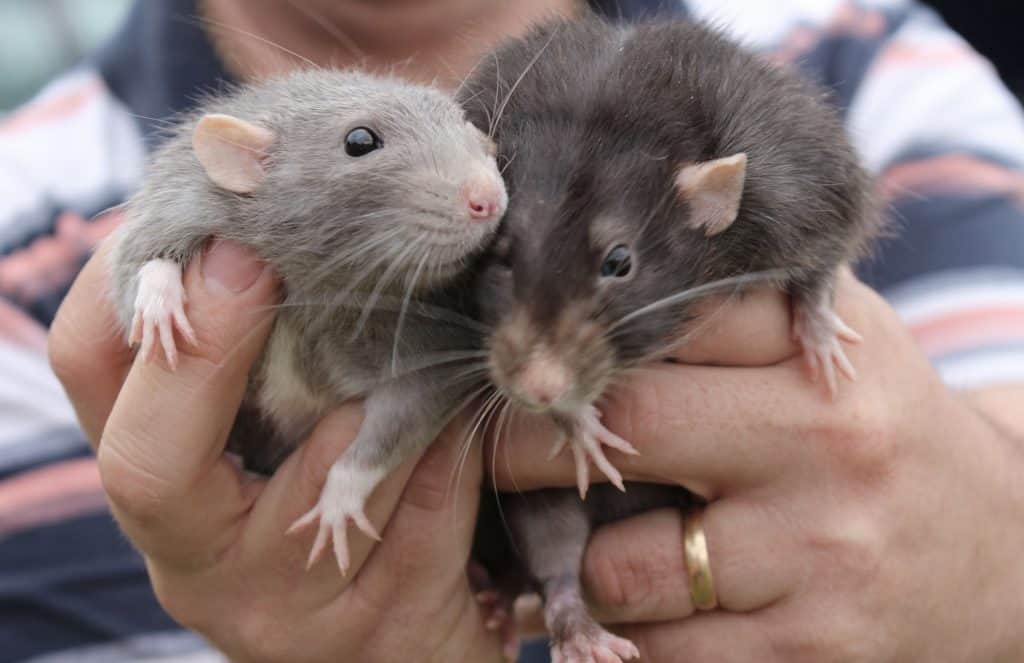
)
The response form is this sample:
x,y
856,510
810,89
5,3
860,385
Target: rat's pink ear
x,y
713,190
231,151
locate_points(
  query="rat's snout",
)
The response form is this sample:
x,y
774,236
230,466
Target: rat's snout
x,y
483,196
559,365
543,380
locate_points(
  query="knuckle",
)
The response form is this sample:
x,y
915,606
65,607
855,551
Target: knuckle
x,y
607,580
65,355
851,552
178,601
132,490
639,411
261,637
621,579
844,636
859,440
427,488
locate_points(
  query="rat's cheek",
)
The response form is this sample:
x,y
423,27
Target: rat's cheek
x,y
748,330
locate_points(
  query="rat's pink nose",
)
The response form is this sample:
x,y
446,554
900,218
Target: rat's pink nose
x,y
544,381
484,198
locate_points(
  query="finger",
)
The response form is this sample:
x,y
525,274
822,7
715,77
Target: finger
x,y
711,428
426,545
161,455
87,346
712,637
635,570
752,329
417,509
293,490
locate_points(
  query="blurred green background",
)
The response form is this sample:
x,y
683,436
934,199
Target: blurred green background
x,y
39,38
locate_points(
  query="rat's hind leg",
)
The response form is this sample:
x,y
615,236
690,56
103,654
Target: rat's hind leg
x,y
821,332
159,309
401,418
551,529
586,436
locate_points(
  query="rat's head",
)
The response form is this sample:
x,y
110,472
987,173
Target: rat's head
x,y
586,276
359,171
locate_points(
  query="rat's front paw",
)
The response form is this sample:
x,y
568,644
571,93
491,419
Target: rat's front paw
x,y
342,499
159,309
586,437
821,333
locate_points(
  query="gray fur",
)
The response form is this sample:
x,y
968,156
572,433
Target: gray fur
x,y
332,226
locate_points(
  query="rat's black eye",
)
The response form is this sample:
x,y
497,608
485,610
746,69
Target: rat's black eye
x,y
361,141
617,263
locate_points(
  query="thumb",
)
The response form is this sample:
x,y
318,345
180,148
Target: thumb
x,y
428,539
161,452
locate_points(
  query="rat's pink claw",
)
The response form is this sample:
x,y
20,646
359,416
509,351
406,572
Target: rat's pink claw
x,y
587,439
592,644
591,420
822,333
159,309
606,649
559,445
342,500
582,470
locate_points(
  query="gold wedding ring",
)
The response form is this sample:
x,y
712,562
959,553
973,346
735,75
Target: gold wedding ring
x,y
698,566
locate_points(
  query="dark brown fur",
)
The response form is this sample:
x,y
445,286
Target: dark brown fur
x,y
591,140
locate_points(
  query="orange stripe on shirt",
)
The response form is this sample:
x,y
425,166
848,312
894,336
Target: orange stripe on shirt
x,y
50,262
48,483
951,172
970,329
849,20
904,54
18,328
55,492
49,110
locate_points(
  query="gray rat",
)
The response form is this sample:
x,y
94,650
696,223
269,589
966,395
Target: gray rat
x,y
370,198
646,165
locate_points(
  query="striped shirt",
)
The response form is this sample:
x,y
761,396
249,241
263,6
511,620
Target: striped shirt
x,y
927,114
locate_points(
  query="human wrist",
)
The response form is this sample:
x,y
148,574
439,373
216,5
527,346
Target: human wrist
x,y
993,613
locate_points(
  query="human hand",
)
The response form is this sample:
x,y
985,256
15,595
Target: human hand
x,y
882,527
213,537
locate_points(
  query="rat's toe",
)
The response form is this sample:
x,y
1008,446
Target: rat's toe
x,y
593,646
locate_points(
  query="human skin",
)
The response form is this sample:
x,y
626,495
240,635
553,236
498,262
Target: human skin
x,y
842,531
435,41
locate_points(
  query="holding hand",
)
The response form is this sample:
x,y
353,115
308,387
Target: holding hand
x,y
213,537
882,527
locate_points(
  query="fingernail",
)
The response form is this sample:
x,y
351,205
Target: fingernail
x,y
230,268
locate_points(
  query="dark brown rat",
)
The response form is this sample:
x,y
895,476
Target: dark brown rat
x,y
370,198
646,166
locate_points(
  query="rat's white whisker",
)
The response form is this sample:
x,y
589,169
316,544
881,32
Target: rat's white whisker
x,y
474,427
230,28
700,291
439,359
328,27
384,282
533,61
404,309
